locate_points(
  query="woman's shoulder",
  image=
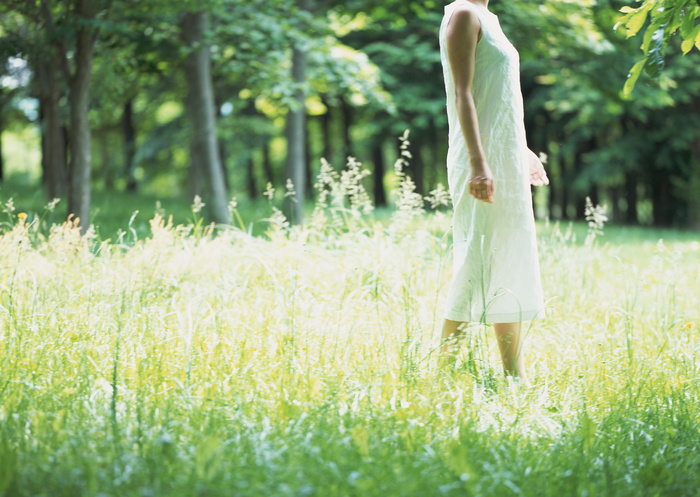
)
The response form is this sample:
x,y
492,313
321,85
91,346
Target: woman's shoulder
x,y
463,12
461,5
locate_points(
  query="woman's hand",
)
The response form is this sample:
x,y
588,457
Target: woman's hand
x,y
481,182
538,176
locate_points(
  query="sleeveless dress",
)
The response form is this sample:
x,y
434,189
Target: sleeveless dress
x,y
496,273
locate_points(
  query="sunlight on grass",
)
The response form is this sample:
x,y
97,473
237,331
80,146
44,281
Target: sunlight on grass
x,y
303,362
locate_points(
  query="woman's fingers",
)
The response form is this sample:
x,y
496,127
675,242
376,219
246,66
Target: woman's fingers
x,y
538,176
482,189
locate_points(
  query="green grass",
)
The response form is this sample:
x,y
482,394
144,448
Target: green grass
x,y
302,363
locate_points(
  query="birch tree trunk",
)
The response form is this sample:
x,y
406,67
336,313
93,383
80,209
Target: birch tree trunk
x,y
200,109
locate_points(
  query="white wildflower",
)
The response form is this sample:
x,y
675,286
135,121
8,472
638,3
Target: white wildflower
x,y
197,204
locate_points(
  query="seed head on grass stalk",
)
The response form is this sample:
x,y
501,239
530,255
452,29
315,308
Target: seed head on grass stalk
x,y
197,219
409,203
343,197
596,218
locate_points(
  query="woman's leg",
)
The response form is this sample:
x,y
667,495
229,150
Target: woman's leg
x,y
510,343
452,332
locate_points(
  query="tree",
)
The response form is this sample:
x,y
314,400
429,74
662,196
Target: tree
x,y
295,167
200,109
8,92
52,125
75,23
24,40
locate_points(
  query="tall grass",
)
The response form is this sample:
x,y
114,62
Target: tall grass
x,y
202,361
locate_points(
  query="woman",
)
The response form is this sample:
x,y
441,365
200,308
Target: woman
x,y
490,169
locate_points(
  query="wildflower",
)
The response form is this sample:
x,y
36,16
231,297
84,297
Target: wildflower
x,y
543,158
326,183
405,154
439,196
278,221
289,190
351,187
595,215
51,206
9,206
197,204
22,216
688,325
159,209
269,191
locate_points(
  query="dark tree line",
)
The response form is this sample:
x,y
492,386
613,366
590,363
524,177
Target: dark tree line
x,y
228,95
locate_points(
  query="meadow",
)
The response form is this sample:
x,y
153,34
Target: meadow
x,y
198,360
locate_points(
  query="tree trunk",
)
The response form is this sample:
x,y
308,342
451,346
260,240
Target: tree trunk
x,y
53,135
196,171
2,160
200,109
250,177
594,195
326,131
346,109
631,187
267,164
309,174
129,145
417,166
616,215
295,167
106,159
379,172
221,144
693,199
661,202
80,159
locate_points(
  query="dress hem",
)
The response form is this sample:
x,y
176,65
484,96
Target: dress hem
x,y
490,318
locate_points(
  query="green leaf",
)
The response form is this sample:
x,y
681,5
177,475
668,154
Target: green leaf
x,y
688,23
632,78
646,41
627,9
634,22
691,39
655,58
687,45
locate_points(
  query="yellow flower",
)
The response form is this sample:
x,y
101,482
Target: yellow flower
x,y
688,325
22,216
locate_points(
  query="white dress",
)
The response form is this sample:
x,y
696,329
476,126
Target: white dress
x,y
496,269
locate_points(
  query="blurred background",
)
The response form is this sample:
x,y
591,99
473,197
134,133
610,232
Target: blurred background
x,y
114,105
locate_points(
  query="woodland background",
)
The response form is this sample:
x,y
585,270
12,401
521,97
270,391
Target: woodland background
x,y
221,97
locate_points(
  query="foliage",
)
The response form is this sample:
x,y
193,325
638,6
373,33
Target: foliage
x,y
374,68
666,18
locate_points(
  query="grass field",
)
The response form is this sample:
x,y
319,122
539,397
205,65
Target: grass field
x,y
303,363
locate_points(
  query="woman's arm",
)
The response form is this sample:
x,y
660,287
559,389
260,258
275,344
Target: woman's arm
x,y
463,32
